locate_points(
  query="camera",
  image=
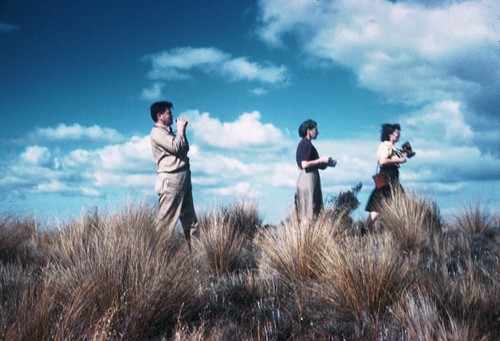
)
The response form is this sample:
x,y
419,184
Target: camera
x,y
406,148
332,163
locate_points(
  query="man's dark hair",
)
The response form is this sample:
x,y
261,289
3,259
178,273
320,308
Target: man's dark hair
x,y
388,129
159,108
307,124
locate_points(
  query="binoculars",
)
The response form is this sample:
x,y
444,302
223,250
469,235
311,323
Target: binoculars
x,y
406,148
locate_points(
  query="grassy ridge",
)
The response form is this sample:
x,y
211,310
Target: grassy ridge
x,y
116,277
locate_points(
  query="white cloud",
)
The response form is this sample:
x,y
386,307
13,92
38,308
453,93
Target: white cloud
x,y
176,63
444,122
80,172
36,155
241,190
414,52
179,63
153,93
240,69
379,39
59,187
246,132
52,186
247,159
123,180
259,91
76,132
132,155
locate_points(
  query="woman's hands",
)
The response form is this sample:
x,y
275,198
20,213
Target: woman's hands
x,y
321,163
392,161
325,159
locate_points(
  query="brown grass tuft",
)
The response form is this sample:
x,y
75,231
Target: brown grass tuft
x,y
292,250
413,221
363,277
225,239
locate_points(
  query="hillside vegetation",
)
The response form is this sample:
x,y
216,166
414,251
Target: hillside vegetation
x,y
115,277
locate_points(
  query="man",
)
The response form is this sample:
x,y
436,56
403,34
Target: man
x,y
173,183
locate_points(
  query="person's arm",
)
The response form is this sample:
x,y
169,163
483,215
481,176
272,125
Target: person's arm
x,y
322,162
173,144
385,159
393,161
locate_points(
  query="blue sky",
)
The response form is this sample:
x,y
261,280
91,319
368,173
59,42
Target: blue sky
x,y
77,79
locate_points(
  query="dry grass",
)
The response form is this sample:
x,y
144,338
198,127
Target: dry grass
x,y
292,250
115,277
362,278
420,319
413,221
225,238
111,277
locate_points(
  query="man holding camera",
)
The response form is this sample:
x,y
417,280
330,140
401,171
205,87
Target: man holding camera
x,y
173,183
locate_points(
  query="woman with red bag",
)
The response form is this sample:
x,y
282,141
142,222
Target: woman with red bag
x,y
389,158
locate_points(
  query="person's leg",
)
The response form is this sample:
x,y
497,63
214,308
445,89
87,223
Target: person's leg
x,y
372,217
187,216
168,211
317,195
304,198
169,202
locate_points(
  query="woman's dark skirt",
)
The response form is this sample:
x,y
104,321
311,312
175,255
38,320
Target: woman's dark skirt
x,y
378,195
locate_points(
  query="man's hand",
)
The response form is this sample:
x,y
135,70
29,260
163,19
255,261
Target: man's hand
x,y
181,124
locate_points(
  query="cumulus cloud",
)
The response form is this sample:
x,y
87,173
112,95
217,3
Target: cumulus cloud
x,y
79,172
36,155
223,154
153,93
241,190
180,63
445,120
76,132
412,52
133,155
125,165
248,159
246,132
63,189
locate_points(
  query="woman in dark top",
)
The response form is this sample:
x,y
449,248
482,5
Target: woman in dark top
x,y
389,159
309,198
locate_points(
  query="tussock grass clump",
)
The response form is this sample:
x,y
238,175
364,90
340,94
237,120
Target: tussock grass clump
x,y
225,239
475,220
231,299
292,250
110,278
362,278
413,221
465,281
469,295
18,241
481,234
420,319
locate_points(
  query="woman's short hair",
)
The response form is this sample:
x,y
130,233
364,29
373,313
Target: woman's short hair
x,y
307,124
388,129
159,108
